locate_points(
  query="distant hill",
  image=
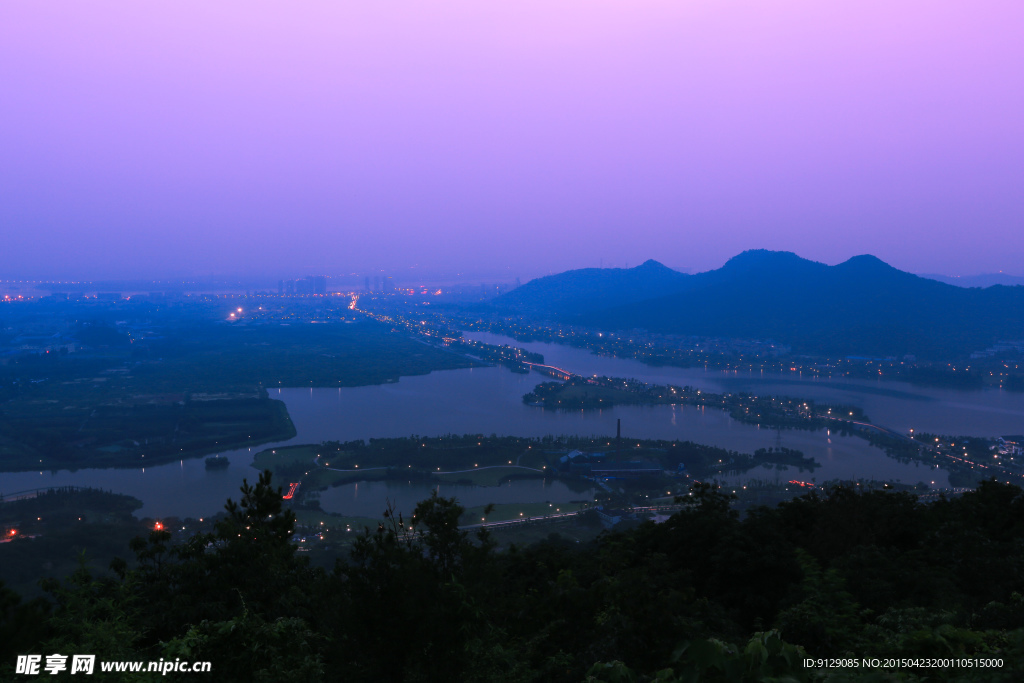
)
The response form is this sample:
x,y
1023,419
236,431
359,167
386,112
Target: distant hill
x,y
577,291
984,280
860,307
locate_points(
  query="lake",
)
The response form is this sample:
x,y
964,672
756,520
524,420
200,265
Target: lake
x,y
479,401
897,405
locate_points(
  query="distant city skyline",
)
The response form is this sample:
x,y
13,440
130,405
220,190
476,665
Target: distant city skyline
x,y
506,139
372,279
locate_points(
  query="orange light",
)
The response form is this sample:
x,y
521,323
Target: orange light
x,y
158,527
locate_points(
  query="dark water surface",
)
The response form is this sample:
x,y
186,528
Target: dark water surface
x,y
897,405
474,400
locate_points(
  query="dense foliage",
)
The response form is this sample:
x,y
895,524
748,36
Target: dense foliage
x,y
706,595
151,401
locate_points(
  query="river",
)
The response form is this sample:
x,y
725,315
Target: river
x,y
473,400
897,405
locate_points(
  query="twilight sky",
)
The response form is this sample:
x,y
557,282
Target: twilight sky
x,y
514,137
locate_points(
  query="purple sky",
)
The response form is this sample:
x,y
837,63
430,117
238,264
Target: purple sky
x,y
155,139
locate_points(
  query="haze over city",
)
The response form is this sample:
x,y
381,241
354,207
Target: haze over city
x,y
506,139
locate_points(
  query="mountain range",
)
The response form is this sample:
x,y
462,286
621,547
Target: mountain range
x,y
862,306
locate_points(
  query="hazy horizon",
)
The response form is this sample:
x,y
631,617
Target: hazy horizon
x,y
262,140
410,276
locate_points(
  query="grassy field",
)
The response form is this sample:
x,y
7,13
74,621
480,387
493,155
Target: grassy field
x,y
491,476
331,464
300,463
286,463
447,453
322,478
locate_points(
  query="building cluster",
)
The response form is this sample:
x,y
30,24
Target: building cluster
x,y
36,344
1010,451
312,284
1002,348
381,284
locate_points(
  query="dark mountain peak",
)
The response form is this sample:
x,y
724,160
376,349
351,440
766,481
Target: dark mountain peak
x,y
651,263
862,306
865,262
765,258
867,268
590,288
